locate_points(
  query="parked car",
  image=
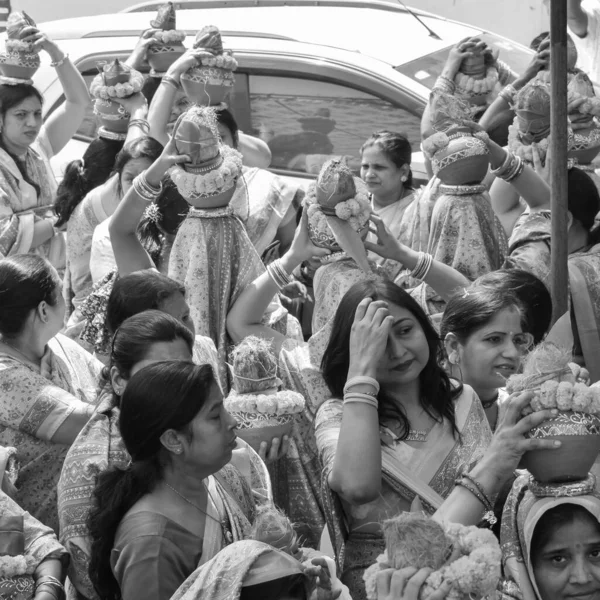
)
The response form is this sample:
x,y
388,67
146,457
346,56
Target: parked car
x,y
315,79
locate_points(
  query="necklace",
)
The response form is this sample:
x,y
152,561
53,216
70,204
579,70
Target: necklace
x,y
417,435
224,527
489,403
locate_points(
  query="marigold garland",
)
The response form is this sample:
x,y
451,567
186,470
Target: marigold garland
x,y
99,89
469,86
169,37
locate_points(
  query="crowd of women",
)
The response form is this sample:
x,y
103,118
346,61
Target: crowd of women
x,y
122,297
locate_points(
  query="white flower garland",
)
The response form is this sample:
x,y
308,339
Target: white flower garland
x,y
98,89
13,566
356,211
200,185
469,86
524,151
223,61
169,37
285,402
473,574
20,47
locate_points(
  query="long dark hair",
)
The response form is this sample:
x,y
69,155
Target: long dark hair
x,y
468,312
137,292
396,147
83,175
11,96
531,293
437,391
584,202
145,416
136,334
25,281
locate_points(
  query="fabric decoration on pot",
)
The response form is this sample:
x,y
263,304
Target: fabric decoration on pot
x,y
115,80
457,147
19,61
214,168
169,41
548,372
468,557
338,212
210,82
263,410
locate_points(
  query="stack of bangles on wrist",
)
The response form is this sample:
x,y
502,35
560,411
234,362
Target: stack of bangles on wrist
x,y
510,169
508,93
145,190
142,124
445,84
171,81
51,586
470,483
369,398
423,266
278,274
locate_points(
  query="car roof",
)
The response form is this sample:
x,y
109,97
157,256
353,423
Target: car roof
x,y
381,30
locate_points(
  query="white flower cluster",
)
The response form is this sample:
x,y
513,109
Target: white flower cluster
x,y
13,566
169,37
98,89
566,396
281,403
198,185
19,46
477,87
223,61
473,570
356,211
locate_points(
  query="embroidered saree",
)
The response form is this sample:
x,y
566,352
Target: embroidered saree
x,y
522,512
393,217
22,535
98,447
247,561
88,214
35,404
21,207
428,472
529,245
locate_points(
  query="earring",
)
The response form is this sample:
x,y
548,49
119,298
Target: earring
x,y
403,178
454,358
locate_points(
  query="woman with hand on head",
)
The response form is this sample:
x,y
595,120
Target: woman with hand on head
x,y
404,429
27,183
145,338
48,382
178,502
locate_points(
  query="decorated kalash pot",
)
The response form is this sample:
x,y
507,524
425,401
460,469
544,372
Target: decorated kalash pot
x,y
169,41
210,82
467,556
584,142
548,372
262,410
338,210
458,148
115,80
532,121
480,78
208,180
20,61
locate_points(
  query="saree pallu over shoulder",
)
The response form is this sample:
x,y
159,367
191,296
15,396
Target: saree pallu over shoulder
x,y
269,198
406,472
21,206
215,260
584,281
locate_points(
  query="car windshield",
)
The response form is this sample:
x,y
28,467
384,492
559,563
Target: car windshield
x,y
425,70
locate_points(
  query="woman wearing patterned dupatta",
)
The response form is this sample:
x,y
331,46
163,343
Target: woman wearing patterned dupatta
x,y
178,501
551,541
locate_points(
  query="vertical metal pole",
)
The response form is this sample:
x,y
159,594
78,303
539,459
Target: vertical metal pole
x,y
558,65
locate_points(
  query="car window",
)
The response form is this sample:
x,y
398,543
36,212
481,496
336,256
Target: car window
x,y
426,69
306,122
